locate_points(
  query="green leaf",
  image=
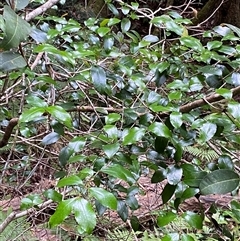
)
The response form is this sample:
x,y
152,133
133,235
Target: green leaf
x,y
207,131
16,29
63,209
77,144
31,114
11,61
113,21
235,79
160,144
226,93
132,202
53,194
151,38
133,135
125,25
233,28
176,119
189,192
174,175
158,176
84,215
102,31
122,210
193,219
192,43
30,201
119,171
99,78
225,162
60,114
108,43
219,182
112,118
160,129
178,152
171,237
168,192
111,149
20,4
174,27
165,218
64,155
214,44
50,138
106,198
35,101
111,131
234,109
72,180
187,237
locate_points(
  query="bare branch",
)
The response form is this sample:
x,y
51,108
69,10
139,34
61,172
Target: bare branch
x,y
43,8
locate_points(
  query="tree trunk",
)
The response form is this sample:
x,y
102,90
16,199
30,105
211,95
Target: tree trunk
x,y
227,13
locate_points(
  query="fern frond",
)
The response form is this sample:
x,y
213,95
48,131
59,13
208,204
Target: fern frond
x,y
202,153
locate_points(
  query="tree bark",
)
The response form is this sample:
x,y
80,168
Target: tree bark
x,y
228,12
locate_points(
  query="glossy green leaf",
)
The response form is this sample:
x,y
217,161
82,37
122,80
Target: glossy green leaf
x,y
16,29
113,21
72,180
122,210
151,38
63,209
35,101
187,237
112,118
32,114
64,155
132,202
77,143
30,201
193,219
207,131
99,78
106,198
235,79
176,119
225,162
233,28
111,149
108,43
174,27
234,109
158,176
226,93
174,175
102,31
192,43
84,215
165,218
53,194
178,152
20,4
50,138
11,61
219,182
60,114
189,192
119,171
168,192
125,25
111,131
214,44
160,129
171,237
160,144
133,135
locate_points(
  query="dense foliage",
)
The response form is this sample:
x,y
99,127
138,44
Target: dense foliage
x,y
99,103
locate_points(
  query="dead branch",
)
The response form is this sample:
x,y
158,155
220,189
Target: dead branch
x,y
14,215
43,8
8,131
